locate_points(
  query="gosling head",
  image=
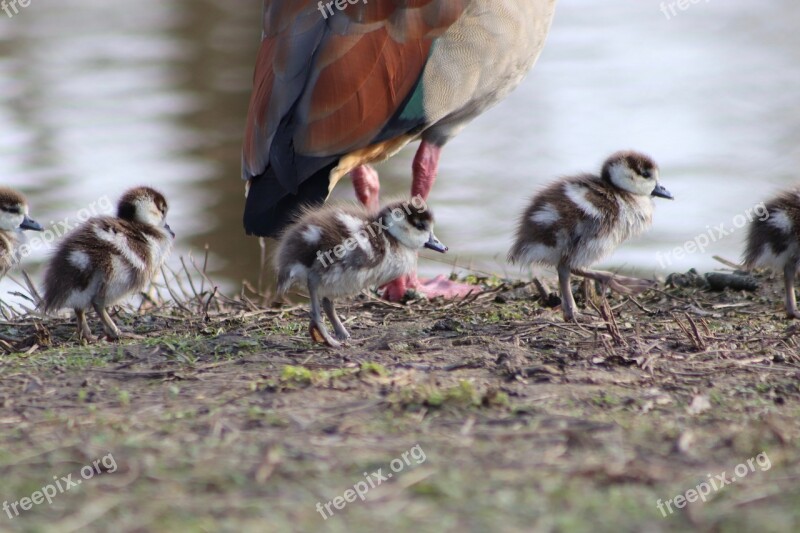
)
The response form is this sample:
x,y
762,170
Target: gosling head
x,y
146,206
635,173
14,212
411,223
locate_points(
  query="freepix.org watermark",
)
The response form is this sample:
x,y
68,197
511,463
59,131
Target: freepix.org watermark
x,y
58,228
328,257
713,234
59,486
327,8
12,7
703,490
371,481
676,7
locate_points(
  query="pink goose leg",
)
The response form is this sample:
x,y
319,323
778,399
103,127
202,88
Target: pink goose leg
x,y
367,186
425,168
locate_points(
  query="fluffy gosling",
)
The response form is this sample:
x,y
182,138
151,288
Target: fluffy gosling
x,y
578,220
774,242
340,250
108,258
13,219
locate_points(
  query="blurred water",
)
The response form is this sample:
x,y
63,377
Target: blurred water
x,y
97,96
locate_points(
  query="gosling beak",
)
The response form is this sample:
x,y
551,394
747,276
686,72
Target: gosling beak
x,y
434,244
29,223
661,192
166,227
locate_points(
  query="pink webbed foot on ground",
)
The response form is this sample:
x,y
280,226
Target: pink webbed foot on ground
x,y
446,288
440,286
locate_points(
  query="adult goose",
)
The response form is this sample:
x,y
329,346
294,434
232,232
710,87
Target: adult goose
x,y
341,84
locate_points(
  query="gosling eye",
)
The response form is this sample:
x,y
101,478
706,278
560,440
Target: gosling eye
x,y
647,174
420,226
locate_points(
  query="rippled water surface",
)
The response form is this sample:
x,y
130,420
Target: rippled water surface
x,y
97,96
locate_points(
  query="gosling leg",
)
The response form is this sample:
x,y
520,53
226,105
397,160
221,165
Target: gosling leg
x,y
84,333
789,272
338,327
111,329
567,300
316,327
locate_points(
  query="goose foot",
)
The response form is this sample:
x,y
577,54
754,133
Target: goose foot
x,y
615,282
440,286
319,334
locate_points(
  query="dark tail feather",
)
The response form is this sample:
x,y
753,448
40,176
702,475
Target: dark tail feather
x,y
270,207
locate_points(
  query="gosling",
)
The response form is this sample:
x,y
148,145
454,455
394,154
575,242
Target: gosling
x,y
338,251
108,258
578,220
773,241
13,219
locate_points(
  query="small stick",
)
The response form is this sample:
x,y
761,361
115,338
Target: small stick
x,y
191,283
205,266
727,263
37,298
700,343
227,299
695,342
174,296
208,302
635,302
177,279
3,307
611,322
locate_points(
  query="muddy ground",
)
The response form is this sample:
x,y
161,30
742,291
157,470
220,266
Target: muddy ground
x,y
491,414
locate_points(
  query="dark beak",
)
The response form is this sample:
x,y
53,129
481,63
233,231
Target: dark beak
x,y
661,192
29,223
166,227
434,244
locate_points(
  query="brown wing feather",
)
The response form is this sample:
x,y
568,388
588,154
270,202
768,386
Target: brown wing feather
x,y
340,79
259,118
348,107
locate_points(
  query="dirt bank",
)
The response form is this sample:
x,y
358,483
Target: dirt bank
x,y
223,416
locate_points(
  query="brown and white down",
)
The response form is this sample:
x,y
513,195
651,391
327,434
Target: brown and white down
x,y
578,220
108,258
774,242
340,250
13,220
